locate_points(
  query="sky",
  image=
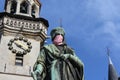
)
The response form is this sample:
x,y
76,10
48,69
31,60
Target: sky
x,y
91,26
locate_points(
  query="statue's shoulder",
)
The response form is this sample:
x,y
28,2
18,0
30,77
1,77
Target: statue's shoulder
x,y
70,50
49,47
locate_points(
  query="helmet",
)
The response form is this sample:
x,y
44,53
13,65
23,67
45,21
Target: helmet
x,y
57,31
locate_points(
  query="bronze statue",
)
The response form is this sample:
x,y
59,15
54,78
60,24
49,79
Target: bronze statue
x,y
58,61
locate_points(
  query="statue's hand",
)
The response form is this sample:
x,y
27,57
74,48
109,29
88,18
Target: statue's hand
x,y
65,56
36,75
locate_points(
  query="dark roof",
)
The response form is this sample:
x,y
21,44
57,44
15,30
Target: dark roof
x,y
112,74
119,78
2,14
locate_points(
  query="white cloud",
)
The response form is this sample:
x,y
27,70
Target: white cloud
x,y
107,11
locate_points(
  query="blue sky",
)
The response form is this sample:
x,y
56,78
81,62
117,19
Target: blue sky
x,y
91,26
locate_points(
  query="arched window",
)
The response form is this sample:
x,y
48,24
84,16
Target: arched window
x,y
33,11
13,6
24,7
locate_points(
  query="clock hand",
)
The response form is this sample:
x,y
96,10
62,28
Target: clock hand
x,y
19,44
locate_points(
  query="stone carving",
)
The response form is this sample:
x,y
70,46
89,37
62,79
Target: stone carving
x,y
27,26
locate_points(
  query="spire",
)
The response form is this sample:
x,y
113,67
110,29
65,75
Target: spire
x,y
108,53
61,23
112,74
5,4
119,78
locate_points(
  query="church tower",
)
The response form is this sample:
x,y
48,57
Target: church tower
x,y
22,33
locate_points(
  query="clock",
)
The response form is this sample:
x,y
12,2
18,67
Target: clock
x,y
19,45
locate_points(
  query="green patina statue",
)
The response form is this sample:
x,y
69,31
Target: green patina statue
x,y
58,61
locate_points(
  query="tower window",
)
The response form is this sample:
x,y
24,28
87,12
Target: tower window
x,y
19,60
13,7
33,11
24,7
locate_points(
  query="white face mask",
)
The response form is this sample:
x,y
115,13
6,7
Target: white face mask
x,y
58,40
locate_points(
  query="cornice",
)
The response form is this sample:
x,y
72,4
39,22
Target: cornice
x,y
30,28
22,17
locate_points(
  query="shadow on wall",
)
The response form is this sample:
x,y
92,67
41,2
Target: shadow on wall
x,y
0,36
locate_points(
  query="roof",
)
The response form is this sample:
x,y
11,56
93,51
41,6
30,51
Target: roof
x,y
119,78
45,22
37,2
112,74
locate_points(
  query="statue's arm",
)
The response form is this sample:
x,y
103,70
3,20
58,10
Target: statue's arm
x,y
39,67
76,60
72,57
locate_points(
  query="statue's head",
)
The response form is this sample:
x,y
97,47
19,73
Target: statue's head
x,y
57,31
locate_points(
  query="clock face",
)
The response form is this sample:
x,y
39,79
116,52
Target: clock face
x,y
20,45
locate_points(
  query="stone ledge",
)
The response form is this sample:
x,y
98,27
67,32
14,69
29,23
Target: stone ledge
x,y
7,76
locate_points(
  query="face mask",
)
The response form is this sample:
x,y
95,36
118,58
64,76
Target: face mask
x,y
58,40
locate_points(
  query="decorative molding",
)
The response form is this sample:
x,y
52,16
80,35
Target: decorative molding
x,y
36,30
29,26
15,74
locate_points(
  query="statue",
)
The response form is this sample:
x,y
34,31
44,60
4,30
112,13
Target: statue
x,y
58,61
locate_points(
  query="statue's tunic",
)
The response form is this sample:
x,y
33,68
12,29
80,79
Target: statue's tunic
x,y
60,63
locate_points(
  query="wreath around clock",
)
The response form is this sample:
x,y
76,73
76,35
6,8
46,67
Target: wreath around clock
x,y
20,45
